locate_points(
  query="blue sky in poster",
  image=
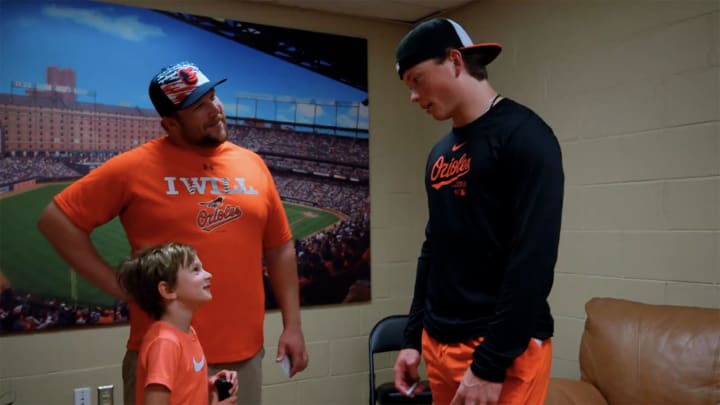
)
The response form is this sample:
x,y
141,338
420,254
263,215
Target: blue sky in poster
x,y
115,50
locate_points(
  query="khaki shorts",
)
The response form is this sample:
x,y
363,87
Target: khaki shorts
x,y
249,377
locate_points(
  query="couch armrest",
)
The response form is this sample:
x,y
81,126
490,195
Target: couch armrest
x,y
563,391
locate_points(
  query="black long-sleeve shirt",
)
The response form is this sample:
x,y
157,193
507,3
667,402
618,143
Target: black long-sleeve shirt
x,y
495,192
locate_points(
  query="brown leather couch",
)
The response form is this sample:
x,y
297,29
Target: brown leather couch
x,y
633,353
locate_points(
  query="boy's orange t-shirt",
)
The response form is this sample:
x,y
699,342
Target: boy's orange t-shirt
x,y
223,203
175,360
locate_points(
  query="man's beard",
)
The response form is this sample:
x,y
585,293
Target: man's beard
x,y
212,141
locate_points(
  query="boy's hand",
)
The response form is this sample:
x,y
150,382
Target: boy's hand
x,y
231,400
229,376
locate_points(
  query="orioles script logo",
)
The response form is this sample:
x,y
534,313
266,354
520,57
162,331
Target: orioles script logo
x,y
443,173
216,215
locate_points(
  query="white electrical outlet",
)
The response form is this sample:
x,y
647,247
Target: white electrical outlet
x,y
82,396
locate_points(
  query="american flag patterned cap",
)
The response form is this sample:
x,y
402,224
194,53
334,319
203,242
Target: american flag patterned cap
x,y
179,86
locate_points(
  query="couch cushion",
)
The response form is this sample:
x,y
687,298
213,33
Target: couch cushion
x,y
651,354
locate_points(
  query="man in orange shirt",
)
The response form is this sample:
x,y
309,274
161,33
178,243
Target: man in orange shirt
x,y
193,187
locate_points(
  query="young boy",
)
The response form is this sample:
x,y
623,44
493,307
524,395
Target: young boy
x,y
169,283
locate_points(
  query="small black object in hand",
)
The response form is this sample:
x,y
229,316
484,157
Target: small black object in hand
x,y
223,388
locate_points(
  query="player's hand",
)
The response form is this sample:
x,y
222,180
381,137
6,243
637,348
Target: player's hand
x,y
406,371
473,390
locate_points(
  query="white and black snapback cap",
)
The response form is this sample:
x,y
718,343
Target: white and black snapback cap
x,y
433,38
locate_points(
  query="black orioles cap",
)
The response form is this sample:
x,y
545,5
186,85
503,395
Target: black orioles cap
x,y
432,39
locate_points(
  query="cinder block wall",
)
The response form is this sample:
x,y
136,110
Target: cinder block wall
x,y
631,89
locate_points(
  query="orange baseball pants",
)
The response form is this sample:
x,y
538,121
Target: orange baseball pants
x,y
526,381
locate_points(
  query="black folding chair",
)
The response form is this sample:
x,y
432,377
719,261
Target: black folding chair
x,y
387,336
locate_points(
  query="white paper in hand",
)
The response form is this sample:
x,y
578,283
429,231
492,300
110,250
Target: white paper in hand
x,y
285,365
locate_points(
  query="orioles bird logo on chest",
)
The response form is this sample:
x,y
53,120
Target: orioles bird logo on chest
x,y
215,215
217,210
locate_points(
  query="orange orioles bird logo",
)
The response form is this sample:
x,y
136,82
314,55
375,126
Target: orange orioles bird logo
x,y
188,75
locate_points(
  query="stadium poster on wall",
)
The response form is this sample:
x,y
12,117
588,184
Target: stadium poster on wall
x,y
73,94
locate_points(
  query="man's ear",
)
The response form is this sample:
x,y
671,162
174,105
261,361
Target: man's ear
x,y
166,291
168,123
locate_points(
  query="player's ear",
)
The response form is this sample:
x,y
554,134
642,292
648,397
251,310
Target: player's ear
x,y
166,291
456,58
